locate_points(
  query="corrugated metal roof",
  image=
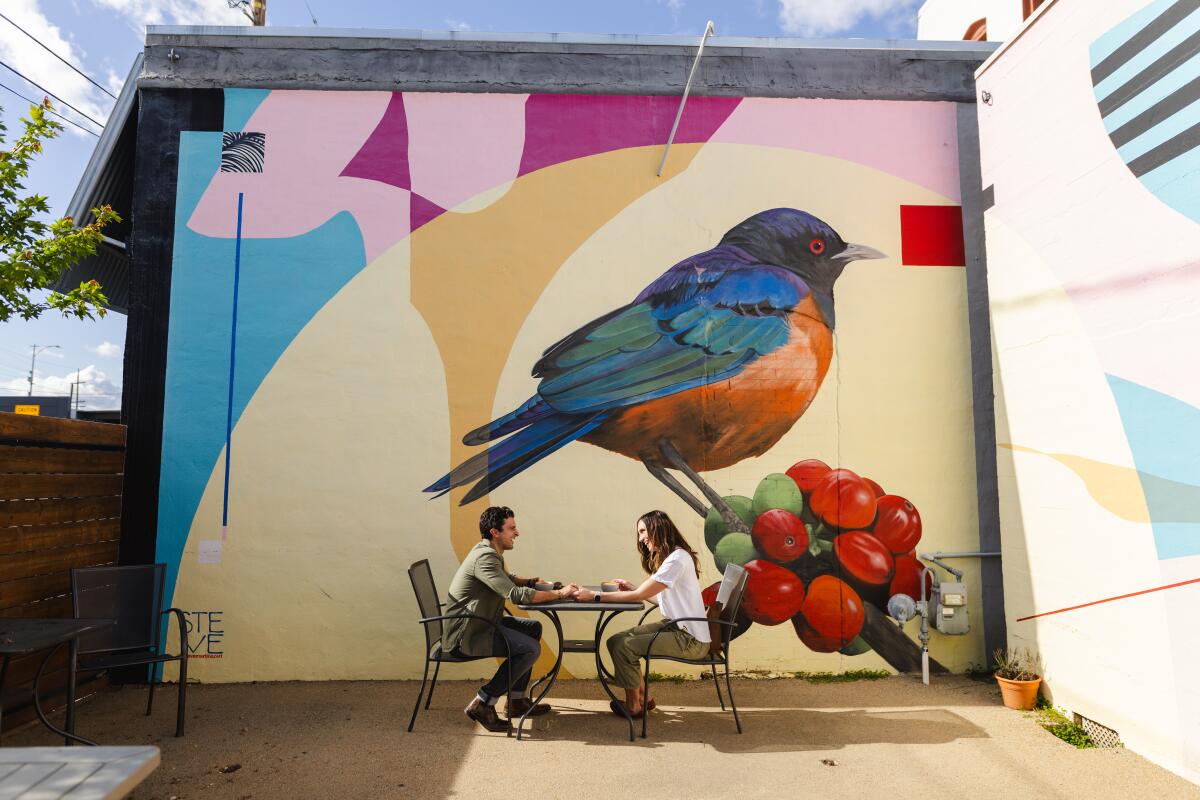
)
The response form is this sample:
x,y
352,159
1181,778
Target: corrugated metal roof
x,y
108,178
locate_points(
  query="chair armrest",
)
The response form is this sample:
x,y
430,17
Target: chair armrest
x,y
427,620
706,619
184,647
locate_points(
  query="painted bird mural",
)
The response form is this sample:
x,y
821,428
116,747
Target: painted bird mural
x,y
712,363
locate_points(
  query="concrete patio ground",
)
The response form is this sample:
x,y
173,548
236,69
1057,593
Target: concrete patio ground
x,y
886,738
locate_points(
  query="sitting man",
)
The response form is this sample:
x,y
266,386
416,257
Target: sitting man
x,y
480,587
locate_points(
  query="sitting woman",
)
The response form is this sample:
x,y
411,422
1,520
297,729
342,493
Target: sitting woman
x,y
674,586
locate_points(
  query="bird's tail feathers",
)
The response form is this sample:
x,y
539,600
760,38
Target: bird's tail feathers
x,y
531,411
500,462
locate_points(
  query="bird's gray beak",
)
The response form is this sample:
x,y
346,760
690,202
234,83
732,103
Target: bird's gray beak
x,y
858,252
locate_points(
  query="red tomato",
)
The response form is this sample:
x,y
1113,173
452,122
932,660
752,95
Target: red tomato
x,y
864,557
844,500
710,594
898,523
773,594
780,535
907,579
808,473
831,617
875,487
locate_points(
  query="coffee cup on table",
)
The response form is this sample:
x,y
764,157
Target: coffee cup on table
x,y
610,586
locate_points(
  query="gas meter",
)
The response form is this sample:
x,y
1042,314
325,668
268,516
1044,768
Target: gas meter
x,y
948,607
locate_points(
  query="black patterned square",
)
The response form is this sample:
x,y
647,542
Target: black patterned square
x,y
242,151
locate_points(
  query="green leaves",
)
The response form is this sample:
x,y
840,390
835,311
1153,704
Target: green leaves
x,y
33,252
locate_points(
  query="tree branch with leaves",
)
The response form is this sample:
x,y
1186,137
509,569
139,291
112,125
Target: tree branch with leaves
x,y
35,253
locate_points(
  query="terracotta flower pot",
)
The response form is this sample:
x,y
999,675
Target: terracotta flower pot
x,y
1019,694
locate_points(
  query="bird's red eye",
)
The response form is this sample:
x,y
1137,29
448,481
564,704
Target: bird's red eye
x,y
817,246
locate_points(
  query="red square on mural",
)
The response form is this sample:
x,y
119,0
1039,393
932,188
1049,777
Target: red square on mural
x,y
931,236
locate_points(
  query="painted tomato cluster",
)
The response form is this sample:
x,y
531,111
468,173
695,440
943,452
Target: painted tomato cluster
x,y
823,542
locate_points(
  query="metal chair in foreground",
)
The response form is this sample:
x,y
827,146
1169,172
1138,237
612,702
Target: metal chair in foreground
x,y
431,620
133,597
733,585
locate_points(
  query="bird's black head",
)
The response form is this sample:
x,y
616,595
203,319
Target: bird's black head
x,y
800,242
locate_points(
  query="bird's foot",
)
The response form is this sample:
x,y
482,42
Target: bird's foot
x,y
673,457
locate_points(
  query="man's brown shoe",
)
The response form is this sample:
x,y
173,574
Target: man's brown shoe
x,y
520,705
486,716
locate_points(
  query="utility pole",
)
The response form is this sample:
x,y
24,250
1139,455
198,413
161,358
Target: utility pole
x,y
75,395
33,362
255,10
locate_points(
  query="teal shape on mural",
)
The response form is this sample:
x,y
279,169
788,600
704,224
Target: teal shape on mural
x,y
240,105
284,282
1164,437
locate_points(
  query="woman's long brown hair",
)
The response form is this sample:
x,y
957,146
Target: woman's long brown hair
x,y
667,539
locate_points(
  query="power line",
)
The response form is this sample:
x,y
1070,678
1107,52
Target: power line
x,y
60,58
51,110
47,91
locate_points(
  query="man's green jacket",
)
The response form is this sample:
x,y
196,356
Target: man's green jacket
x,y
480,587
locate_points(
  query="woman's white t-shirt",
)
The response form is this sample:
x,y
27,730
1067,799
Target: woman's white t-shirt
x,y
682,596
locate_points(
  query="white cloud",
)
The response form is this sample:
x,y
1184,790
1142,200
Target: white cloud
x,y
824,17
96,391
21,51
106,350
457,25
175,12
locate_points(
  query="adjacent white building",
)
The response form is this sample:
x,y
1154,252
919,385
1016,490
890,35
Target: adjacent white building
x,y
978,20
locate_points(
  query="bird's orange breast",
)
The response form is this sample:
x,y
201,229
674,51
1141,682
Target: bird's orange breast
x,y
719,424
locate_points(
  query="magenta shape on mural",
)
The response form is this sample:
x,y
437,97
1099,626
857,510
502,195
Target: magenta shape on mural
x,y
562,127
384,156
422,210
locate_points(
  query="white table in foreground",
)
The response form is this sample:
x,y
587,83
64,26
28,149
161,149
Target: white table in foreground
x,y
77,773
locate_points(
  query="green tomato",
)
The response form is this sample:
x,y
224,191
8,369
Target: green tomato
x,y
777,491
735,548
856,648
714,524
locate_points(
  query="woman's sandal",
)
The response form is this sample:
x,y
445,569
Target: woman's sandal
x,y
616,708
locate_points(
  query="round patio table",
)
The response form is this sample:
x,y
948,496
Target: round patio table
x,y
605,613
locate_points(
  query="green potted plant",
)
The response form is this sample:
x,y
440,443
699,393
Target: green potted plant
x,y
1018,677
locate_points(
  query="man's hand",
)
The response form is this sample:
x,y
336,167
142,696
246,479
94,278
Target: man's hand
x,y
568,591
584,595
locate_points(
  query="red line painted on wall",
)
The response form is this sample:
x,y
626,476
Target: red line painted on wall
x,y
1110,599
932,236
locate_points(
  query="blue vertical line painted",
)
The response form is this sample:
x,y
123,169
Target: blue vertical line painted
x,y
237,273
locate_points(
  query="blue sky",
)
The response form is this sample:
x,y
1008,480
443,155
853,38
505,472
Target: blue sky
x,y
102,37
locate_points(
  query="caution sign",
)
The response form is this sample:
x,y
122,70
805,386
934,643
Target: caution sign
x,y
33,410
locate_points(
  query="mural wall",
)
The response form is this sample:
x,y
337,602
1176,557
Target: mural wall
x,y
1090,147
391,310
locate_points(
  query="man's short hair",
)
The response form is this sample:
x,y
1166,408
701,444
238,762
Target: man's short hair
x,y
493,517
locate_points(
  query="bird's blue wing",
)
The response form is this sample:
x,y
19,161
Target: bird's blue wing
x,y
699,323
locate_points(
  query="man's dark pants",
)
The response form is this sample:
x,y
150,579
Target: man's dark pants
x,y
524,645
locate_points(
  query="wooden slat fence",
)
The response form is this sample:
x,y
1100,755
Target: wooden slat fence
x,y
60,507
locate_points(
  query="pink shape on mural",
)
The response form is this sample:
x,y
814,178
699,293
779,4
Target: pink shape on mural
x,y
461,146
310,137
914,141
384,156
562,127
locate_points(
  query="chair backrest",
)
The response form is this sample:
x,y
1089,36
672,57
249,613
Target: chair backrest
x,y
132,595
733,586
427,599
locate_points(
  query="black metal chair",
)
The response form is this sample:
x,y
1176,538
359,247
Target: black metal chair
x,y
733,585
431,620
133,596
